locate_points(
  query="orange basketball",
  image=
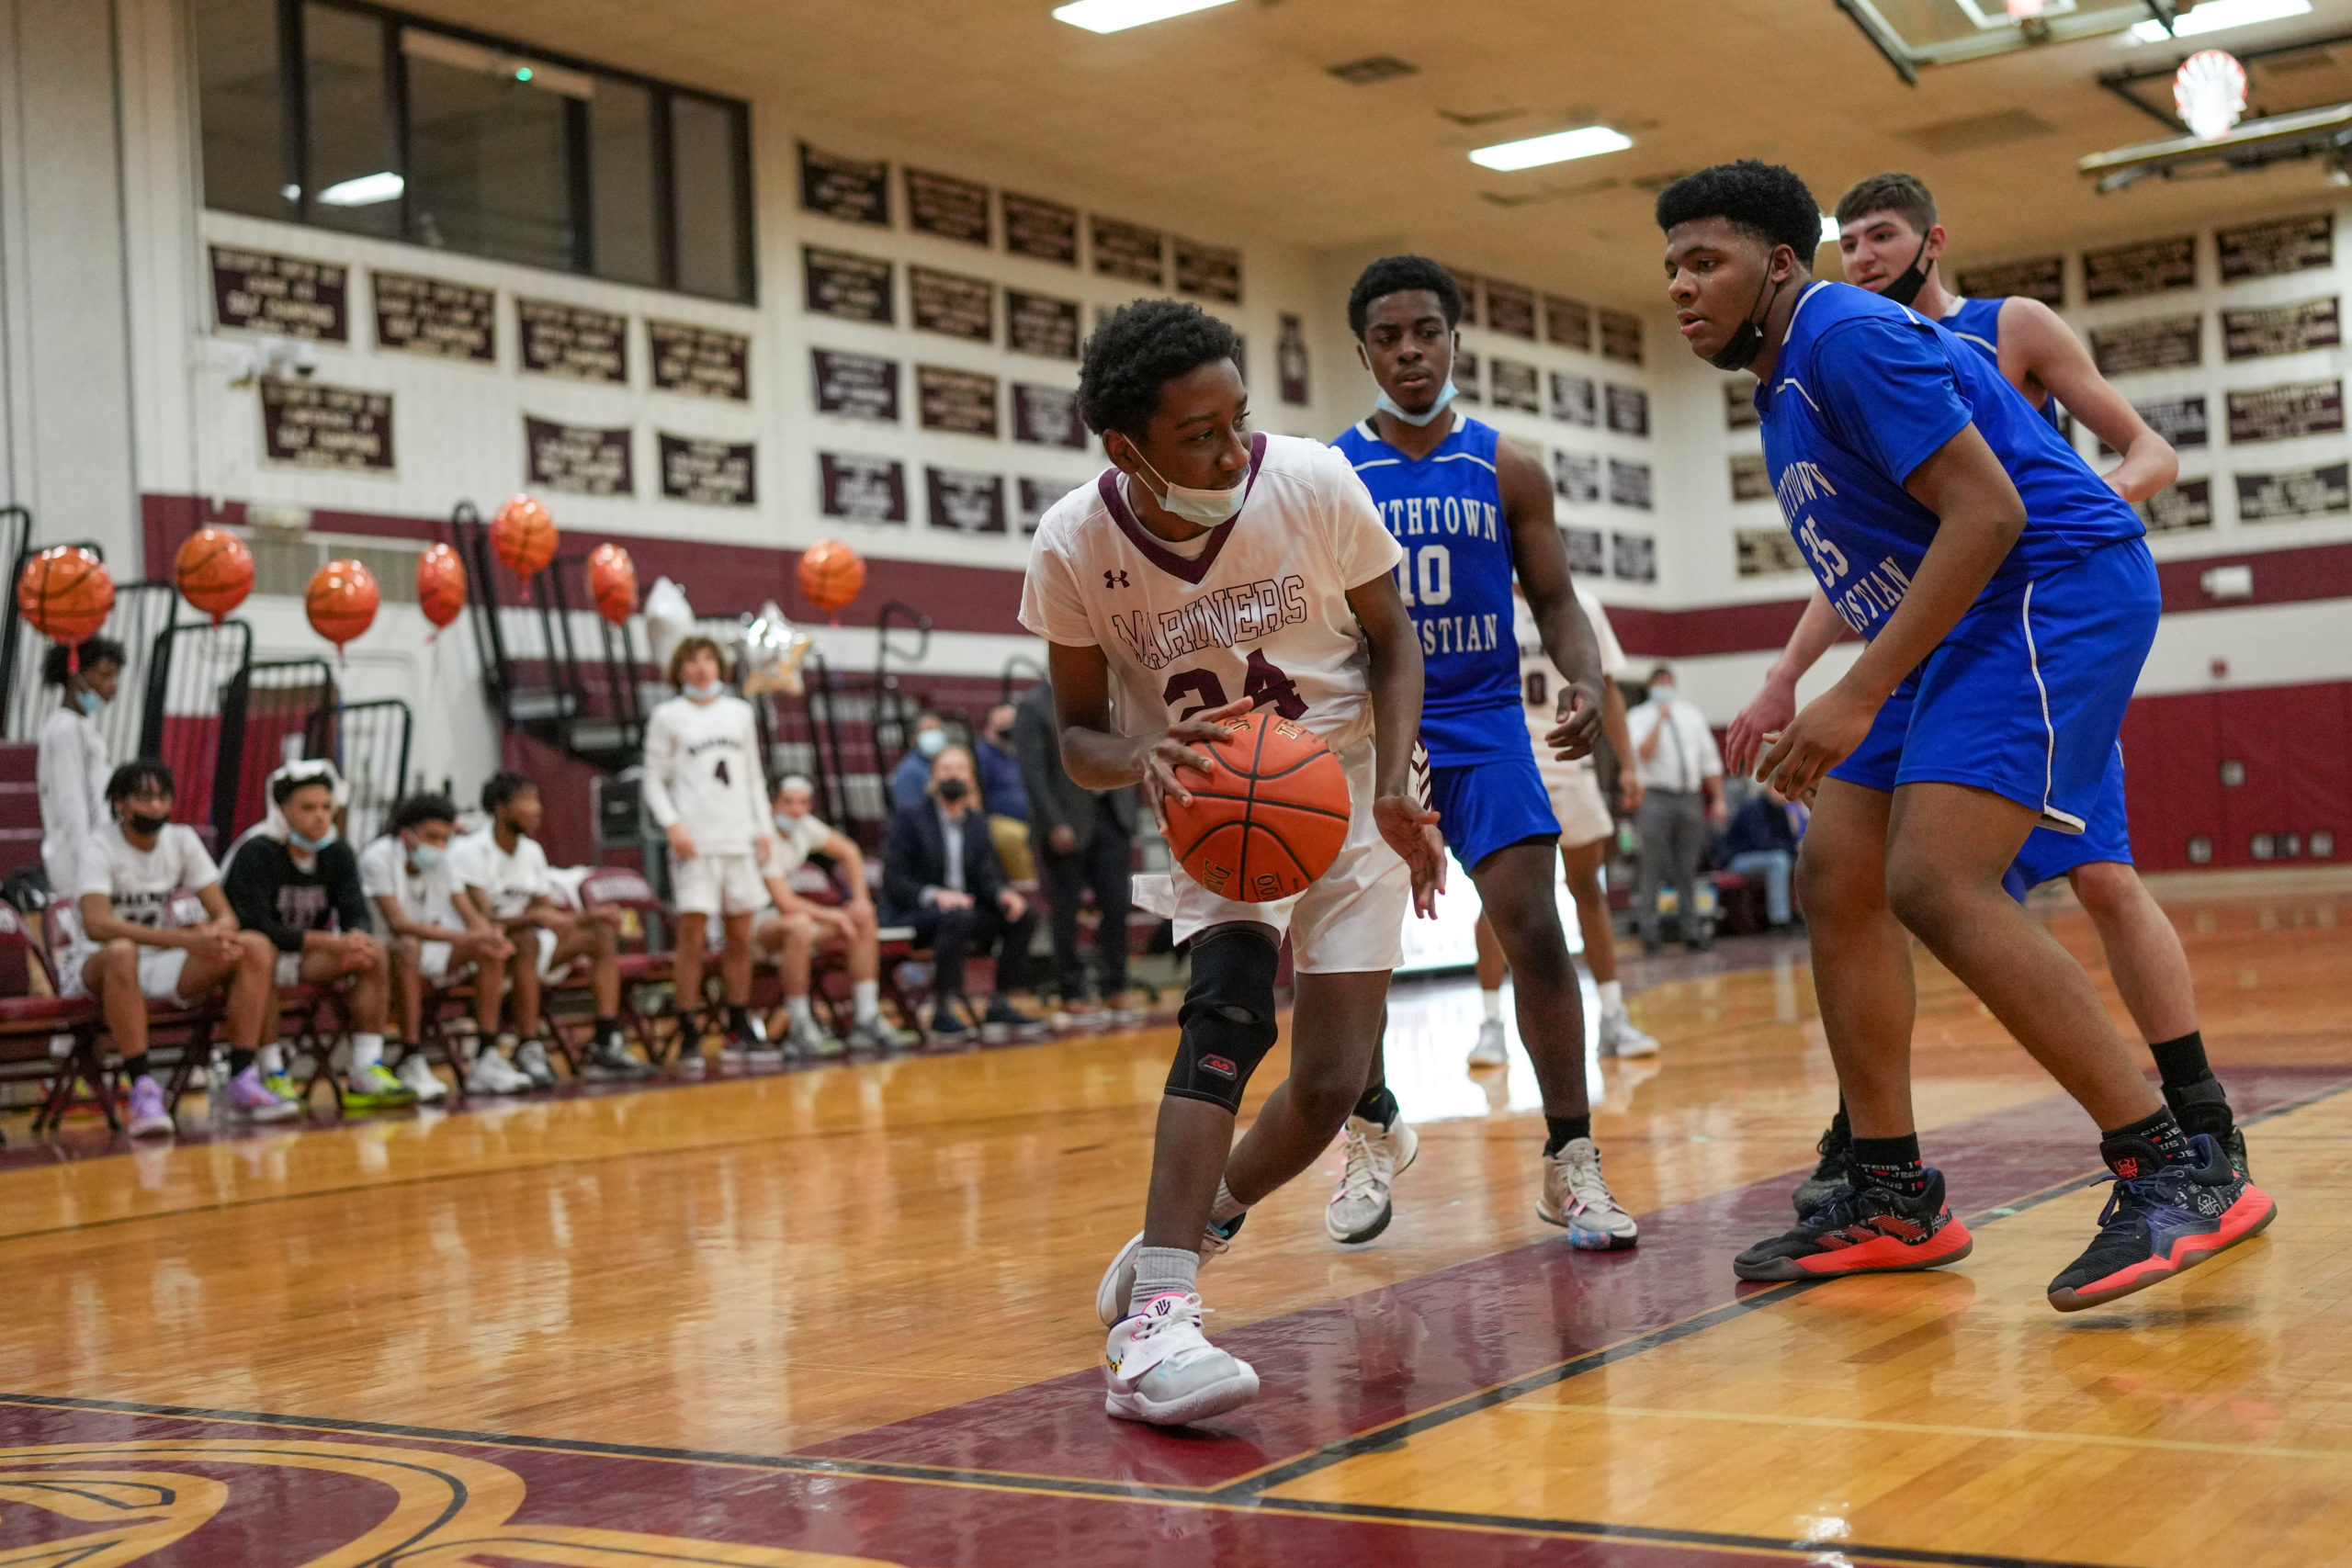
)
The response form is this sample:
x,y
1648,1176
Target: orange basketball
x,y
612,578
440,584
341,601
214,572
65,594
524,536
1271,818
832,575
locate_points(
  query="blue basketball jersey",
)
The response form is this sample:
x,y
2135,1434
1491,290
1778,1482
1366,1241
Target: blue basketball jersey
x,y
1864,393
1977,323
1446,510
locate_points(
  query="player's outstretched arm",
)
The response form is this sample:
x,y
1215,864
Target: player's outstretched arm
x,y
2047,350
1409,826
1097,757
1768,714
1979,516
1543,565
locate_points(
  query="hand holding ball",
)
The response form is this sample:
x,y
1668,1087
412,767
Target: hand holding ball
x,y
1270,817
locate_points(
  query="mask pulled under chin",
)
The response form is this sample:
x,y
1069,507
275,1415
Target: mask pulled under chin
x,y
1204,508
306,843
427,856
703,693
1746,340
1388,405
90,703
1910,280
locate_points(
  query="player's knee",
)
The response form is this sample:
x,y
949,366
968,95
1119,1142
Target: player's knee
x,y
1832,891
1921,894
254,951
2105,889
1228,1018
120,956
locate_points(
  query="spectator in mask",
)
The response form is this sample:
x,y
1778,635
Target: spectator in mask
x,y
1004,792
1682,792
911,777
940,874
1761,842
71,766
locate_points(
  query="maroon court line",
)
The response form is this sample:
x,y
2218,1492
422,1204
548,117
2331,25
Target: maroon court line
x,y
1335,1371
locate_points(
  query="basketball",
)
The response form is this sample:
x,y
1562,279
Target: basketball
x,y
1270,819
524,536
440,584
214,572
832,575
612,580
341,601
65,594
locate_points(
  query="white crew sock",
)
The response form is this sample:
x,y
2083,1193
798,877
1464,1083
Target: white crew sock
x,y
866,997
1163,1270
796,1009
1494,1005
1612,996
272,1059
366,1051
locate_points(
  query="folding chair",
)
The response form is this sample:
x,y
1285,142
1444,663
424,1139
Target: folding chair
x,y
28,1023
645,936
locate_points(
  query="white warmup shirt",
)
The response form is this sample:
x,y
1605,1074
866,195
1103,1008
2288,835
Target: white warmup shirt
x,y
796,843
511,882
1686,750
1260,609
425,897
140,883
71,773
1540,683
702,768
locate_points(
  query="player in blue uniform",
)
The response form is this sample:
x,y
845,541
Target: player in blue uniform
x,y
2009,594
1469,511
1889,242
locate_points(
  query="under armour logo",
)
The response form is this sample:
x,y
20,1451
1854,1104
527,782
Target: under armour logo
x,y
1114,578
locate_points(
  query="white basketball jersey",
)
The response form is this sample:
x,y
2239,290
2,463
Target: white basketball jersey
x,y
1540,683
1260,611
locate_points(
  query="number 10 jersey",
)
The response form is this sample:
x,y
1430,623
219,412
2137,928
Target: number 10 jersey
x,y
1258,608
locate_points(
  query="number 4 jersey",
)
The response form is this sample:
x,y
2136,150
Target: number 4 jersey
x,y
1257,608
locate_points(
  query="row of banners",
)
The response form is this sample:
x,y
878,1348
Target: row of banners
x,y
1575,399
2269,249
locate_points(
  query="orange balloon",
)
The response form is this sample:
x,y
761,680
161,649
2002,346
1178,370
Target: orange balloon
x,y
65,594
214,571
832,575
342,601
440,584
524,536
611,578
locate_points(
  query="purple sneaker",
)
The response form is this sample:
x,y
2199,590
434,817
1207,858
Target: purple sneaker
x,y
254,1100
150,1118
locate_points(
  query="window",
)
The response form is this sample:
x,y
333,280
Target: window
x,y
353,118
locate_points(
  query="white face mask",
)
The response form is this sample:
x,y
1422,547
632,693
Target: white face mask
x,y
705,691
1209,508
1388,405
790,820
1662,692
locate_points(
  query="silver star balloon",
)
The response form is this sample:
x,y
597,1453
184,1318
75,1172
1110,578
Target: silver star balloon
x,y
772,649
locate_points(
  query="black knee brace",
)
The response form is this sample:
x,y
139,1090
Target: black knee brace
x,y
1227,1018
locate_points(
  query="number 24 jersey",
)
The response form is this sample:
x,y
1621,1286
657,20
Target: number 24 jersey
x,y
1259,607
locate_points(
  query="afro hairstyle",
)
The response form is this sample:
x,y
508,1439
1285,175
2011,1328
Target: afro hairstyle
x,y
1399,275
1763,199
1136,351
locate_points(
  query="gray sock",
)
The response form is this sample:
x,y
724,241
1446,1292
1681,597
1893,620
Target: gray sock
x,y
1162,1270
1226,1206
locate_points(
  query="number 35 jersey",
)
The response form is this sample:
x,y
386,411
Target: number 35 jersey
x,y
1257,608
1446,511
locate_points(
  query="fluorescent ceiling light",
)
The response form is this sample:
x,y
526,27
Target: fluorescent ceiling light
x,y
1117,16
2215,15
367,190
1828,230
1558,148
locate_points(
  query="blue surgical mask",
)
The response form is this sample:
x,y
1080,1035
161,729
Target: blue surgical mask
x,y
427,856
91,702
789,823
303,842
1208,508
1388,405
703,692
932,743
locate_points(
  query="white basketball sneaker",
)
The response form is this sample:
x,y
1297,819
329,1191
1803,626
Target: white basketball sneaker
x,y
1159,1368
1377,1155
1620,1036
1576,1196
1489,1052
1117,1287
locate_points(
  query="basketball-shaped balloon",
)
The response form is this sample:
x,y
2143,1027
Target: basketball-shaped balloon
x,y
440,584
612,578
65,594
341,601
524,536
214,572
832,575
1270,817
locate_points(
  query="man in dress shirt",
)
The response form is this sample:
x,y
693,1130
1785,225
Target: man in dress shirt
x,y
941,875
1683,785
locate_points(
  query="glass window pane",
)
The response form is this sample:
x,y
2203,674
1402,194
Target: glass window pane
x,y
488,170
710,220
355,180
236,66
626,241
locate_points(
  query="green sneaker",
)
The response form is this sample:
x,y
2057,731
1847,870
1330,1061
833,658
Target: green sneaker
x,y
376,1088
283,1086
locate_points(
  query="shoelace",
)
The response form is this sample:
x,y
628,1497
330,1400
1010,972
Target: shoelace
x,y
2155,1187
1359,1179
1586,1184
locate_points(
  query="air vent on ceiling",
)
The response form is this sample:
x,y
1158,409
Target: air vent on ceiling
x,y
1479,117
1373,68
1977,131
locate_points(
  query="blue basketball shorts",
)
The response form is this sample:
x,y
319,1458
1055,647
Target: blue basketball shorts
x,y
2047,856
1488,805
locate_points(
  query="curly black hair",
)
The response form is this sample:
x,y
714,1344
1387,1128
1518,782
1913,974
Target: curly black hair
x,y
1136,351
1763,199
503,786
141,777
418,810
1396,275
97,651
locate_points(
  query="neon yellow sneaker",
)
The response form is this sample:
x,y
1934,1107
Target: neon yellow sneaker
x,y
374,1087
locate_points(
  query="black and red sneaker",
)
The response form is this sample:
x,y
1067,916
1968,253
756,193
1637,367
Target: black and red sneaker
x,y
1870,1230
2161,1220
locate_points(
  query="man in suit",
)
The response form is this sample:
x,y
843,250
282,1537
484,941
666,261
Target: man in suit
x,y
1084,839
941,875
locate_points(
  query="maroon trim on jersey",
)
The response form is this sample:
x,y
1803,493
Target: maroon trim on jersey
x,y
1158,553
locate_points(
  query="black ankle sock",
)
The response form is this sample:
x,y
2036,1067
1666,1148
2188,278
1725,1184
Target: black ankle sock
x,y
1840,1128
1377,1105
135,1068
608,1027
738,1019
1891,1163
1565,1129
2126,1146
2182,1061
239,1060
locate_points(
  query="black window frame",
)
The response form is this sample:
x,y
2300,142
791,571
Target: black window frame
x,y
293,110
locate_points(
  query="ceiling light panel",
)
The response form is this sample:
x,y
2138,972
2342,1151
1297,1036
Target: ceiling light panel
x,y
1534,152
1117,16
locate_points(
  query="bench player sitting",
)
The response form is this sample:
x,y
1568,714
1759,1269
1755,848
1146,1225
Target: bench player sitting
x,y
795,926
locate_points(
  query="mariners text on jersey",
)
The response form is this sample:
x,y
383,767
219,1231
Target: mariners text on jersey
x,y
1222,617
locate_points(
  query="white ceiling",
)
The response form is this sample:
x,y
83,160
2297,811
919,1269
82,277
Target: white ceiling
x,y
1232,113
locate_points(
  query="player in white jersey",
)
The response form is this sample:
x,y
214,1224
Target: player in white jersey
x,y
407,875
1208,571
705,787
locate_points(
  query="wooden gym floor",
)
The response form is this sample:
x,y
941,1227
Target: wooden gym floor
x,y
845,1315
